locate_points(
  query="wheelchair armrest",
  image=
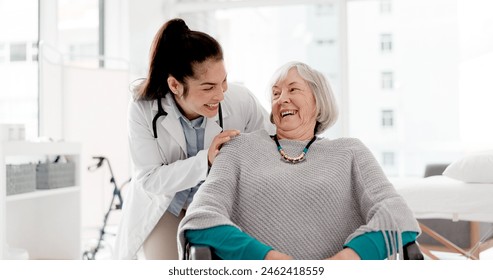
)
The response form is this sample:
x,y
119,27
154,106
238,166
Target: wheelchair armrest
x,y
199,253
412,252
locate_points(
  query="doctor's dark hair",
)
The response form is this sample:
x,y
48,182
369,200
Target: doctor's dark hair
x,y
175,51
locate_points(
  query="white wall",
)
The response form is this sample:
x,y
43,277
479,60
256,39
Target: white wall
x,y
476,69
95,114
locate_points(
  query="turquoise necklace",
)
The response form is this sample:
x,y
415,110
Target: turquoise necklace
x,y
297,159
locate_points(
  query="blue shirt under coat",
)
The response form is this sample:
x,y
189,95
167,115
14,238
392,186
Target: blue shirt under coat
x,y
194,131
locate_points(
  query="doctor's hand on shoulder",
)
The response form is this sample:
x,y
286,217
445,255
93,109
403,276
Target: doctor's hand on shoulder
x,y
218,141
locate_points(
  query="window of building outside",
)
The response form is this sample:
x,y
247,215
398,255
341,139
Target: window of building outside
x,y
3,52
385,7
388,159
34,51
386,43
387,118
19,72
78,32
325,9
387,80
18,52
443,93
258,40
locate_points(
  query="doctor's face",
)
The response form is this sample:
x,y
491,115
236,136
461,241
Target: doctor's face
x,y
205,90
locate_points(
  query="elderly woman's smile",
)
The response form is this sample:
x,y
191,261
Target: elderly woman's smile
x,y
293,107
285,113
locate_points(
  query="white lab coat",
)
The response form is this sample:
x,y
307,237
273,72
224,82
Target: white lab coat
x,y
161,166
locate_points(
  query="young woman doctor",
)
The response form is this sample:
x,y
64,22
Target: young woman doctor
x,y
180,116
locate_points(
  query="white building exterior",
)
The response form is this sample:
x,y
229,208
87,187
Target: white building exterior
x,y
404,82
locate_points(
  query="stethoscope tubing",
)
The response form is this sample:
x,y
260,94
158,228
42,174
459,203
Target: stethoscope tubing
x,y
161,112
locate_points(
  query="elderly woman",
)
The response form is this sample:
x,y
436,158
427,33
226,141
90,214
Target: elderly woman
x,y
294,195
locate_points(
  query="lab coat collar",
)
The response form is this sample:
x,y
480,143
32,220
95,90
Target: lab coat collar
x,y
172,124
169,103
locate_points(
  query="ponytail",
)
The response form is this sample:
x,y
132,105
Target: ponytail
x,y
174,51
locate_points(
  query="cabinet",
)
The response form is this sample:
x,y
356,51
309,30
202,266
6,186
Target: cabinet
x,y
47,223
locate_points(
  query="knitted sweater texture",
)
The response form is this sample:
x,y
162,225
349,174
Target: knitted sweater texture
x,y
308,210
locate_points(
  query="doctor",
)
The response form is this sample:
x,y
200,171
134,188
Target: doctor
x,y
181,115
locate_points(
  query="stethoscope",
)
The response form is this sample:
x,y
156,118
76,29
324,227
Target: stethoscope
x,y
161,113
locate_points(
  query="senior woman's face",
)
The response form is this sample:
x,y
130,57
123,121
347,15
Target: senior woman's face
x,y
293,106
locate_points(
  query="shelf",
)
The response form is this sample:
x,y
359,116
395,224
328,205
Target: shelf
x,y
44,222
42,193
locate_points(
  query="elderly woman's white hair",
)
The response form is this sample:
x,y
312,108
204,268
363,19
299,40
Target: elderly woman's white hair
x,y
327,111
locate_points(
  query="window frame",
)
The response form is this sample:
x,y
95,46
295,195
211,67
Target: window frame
x,y
387,80
386,43
387,119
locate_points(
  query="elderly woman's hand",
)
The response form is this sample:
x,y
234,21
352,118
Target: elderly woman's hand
x,y
275,255
345,254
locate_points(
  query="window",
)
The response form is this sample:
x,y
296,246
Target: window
x,y
388,159
324,9
387,80
386,43
78,31
385,7
3,53
325,41
387,118
19,100
34,51
18,52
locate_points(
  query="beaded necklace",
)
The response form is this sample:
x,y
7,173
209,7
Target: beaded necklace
x,y
297,159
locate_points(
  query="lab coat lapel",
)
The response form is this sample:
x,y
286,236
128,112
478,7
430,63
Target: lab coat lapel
x,y
172,124
212,128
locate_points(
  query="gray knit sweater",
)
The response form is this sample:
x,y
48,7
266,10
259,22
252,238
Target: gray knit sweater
x,y
307,210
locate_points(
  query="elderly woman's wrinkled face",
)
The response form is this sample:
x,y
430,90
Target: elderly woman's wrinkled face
x,y
293,105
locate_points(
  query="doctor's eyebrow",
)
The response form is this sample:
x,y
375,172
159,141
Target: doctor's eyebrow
x,y
213,84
